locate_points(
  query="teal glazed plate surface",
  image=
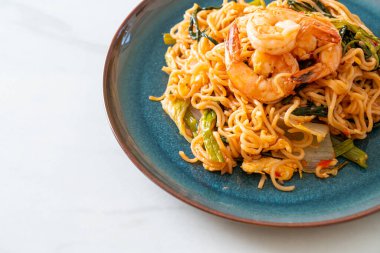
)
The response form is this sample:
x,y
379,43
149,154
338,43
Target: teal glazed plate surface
x,y
151,140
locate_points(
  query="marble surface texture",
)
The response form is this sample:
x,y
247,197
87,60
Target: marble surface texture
x,y
65,184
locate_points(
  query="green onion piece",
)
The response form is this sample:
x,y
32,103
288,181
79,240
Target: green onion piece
x,y
168,39
191,122
355,155
207,123
342,147
258,3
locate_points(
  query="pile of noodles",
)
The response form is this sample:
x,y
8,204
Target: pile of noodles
x,y
246,128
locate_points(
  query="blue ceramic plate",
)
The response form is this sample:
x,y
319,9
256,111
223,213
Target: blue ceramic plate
x,y
151,139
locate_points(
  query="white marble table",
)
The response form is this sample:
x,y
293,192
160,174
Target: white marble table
x,y
65,184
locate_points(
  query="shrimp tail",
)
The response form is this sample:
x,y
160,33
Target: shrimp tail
x,y
311,74
322,31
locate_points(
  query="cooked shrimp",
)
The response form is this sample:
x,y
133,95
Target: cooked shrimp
x,y
328,61
316,33
272,34
265,84
268,65
276,30
305,45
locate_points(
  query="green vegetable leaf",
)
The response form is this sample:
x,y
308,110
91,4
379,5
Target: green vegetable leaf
x,y
300,6
194,30
311,110
176,109
356,37
297,90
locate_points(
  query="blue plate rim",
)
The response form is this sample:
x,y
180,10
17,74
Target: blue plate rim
x,y
128,146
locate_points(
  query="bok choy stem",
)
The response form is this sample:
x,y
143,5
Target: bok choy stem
x,y
191,122
342,147
354,154
207,124
358,156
